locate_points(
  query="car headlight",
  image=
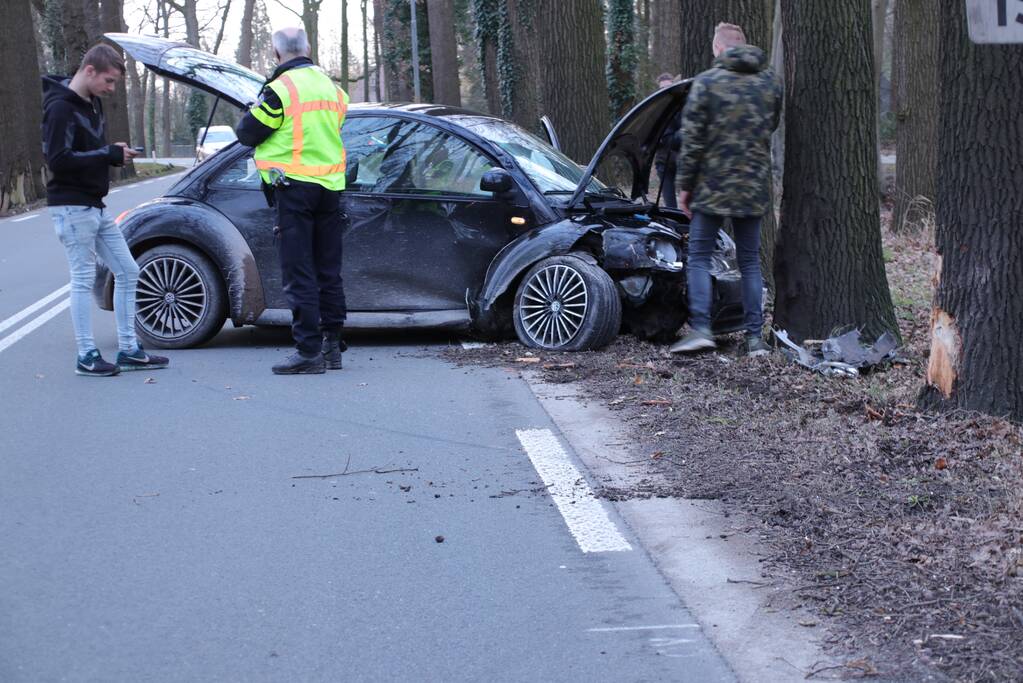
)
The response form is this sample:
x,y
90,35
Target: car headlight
x,y
664,250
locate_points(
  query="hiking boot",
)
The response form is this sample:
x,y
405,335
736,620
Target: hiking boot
x,y
696,340
297,364
756,346
333,347
93,365
140,360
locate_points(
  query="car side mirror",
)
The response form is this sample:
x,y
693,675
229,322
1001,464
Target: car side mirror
x,y
497,180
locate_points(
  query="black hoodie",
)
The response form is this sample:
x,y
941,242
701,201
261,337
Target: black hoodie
x,y
75,146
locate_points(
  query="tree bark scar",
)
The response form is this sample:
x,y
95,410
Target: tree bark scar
x,y
945,346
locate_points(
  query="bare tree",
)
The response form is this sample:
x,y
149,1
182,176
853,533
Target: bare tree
x,y
344,44
829,270
116,106
21,164
245,39
665,21
365,50
310,16
978,313
444,52
915,101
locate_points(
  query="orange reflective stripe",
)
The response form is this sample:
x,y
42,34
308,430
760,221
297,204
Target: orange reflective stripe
x,y
301,169
317,105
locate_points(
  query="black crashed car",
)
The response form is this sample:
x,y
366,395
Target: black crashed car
x,y
459,221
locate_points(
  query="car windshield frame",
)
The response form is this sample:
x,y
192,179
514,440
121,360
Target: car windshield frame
x,y
552,172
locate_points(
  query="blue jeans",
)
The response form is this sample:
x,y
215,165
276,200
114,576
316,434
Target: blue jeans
x,y
703,232
86,232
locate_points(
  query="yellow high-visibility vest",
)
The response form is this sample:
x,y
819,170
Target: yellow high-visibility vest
x,y
306,144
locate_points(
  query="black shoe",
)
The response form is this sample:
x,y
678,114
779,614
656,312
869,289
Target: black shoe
x,y
333,347
696,340
93,365
756,346
140,360
297,364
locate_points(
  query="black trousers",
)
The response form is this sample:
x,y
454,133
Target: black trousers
x,y
310,223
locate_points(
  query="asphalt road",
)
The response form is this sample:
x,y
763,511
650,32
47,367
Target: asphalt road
x,y
175,525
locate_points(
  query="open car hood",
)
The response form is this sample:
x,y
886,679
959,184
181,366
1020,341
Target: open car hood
x,y
183,63
627,153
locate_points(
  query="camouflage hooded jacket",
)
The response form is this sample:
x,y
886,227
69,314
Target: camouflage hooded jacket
x,y
725,159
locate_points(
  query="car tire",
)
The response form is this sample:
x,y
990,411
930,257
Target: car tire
x,y
181,301
565,303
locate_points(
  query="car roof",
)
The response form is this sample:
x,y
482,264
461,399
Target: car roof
x,y
422,109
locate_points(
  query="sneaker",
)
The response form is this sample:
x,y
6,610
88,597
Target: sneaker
x,y
93,365
140,360
332,349
756,346
297,364
696,340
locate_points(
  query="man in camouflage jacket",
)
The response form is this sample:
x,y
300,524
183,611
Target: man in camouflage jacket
x,y
725,168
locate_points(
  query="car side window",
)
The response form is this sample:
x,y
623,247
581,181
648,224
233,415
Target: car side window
x,y
406,157
241,174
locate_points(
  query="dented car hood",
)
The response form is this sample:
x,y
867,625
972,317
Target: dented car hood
x,y
636,138
183,63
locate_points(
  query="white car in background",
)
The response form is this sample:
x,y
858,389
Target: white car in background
x,y
216,138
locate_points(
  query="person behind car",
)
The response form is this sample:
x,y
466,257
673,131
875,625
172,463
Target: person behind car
x,y
79,159
296,131
666,158
725,166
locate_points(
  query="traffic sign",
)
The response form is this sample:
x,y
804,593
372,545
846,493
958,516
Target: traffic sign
x,y
995,21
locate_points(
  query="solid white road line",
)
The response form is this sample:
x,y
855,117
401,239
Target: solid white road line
x,y
23,332
586,518
24,218
20,315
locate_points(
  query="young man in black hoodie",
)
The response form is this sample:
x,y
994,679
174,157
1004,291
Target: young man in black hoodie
x,y
79,159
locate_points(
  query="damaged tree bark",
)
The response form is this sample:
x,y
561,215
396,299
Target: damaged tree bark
x,y
976,361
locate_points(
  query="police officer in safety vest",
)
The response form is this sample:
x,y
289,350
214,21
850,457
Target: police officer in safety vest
x,y
296,131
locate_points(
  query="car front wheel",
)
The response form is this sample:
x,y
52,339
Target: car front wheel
x,y
180,301
565,303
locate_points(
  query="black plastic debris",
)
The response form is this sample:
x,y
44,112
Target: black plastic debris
x,y
844,355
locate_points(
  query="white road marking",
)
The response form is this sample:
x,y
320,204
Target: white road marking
x,y
586,518
473,345
23,332
609,629
20,315
115,191
24,218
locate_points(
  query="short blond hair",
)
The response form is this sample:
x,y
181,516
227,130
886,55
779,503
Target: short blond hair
x,y
729,35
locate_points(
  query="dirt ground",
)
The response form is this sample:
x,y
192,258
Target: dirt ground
x,y
899,529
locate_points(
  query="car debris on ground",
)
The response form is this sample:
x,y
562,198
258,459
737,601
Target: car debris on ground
x,y
843,355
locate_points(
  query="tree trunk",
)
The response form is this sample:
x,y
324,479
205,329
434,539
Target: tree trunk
x,y
829,270
519,60
487,22
621,56
915,67
311,23
137,99
21,164
188,10
571,45
444,52
245,39
115,108
69,27
700,19
666,30
396,46
365,50
878,19
644,79
975,361
344,45
382,87
164,124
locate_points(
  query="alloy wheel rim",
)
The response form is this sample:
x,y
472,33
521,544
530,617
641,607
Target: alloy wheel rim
x,y
553,306
170,299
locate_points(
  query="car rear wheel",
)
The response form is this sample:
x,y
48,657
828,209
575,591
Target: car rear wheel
x,y
565,303
180,301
